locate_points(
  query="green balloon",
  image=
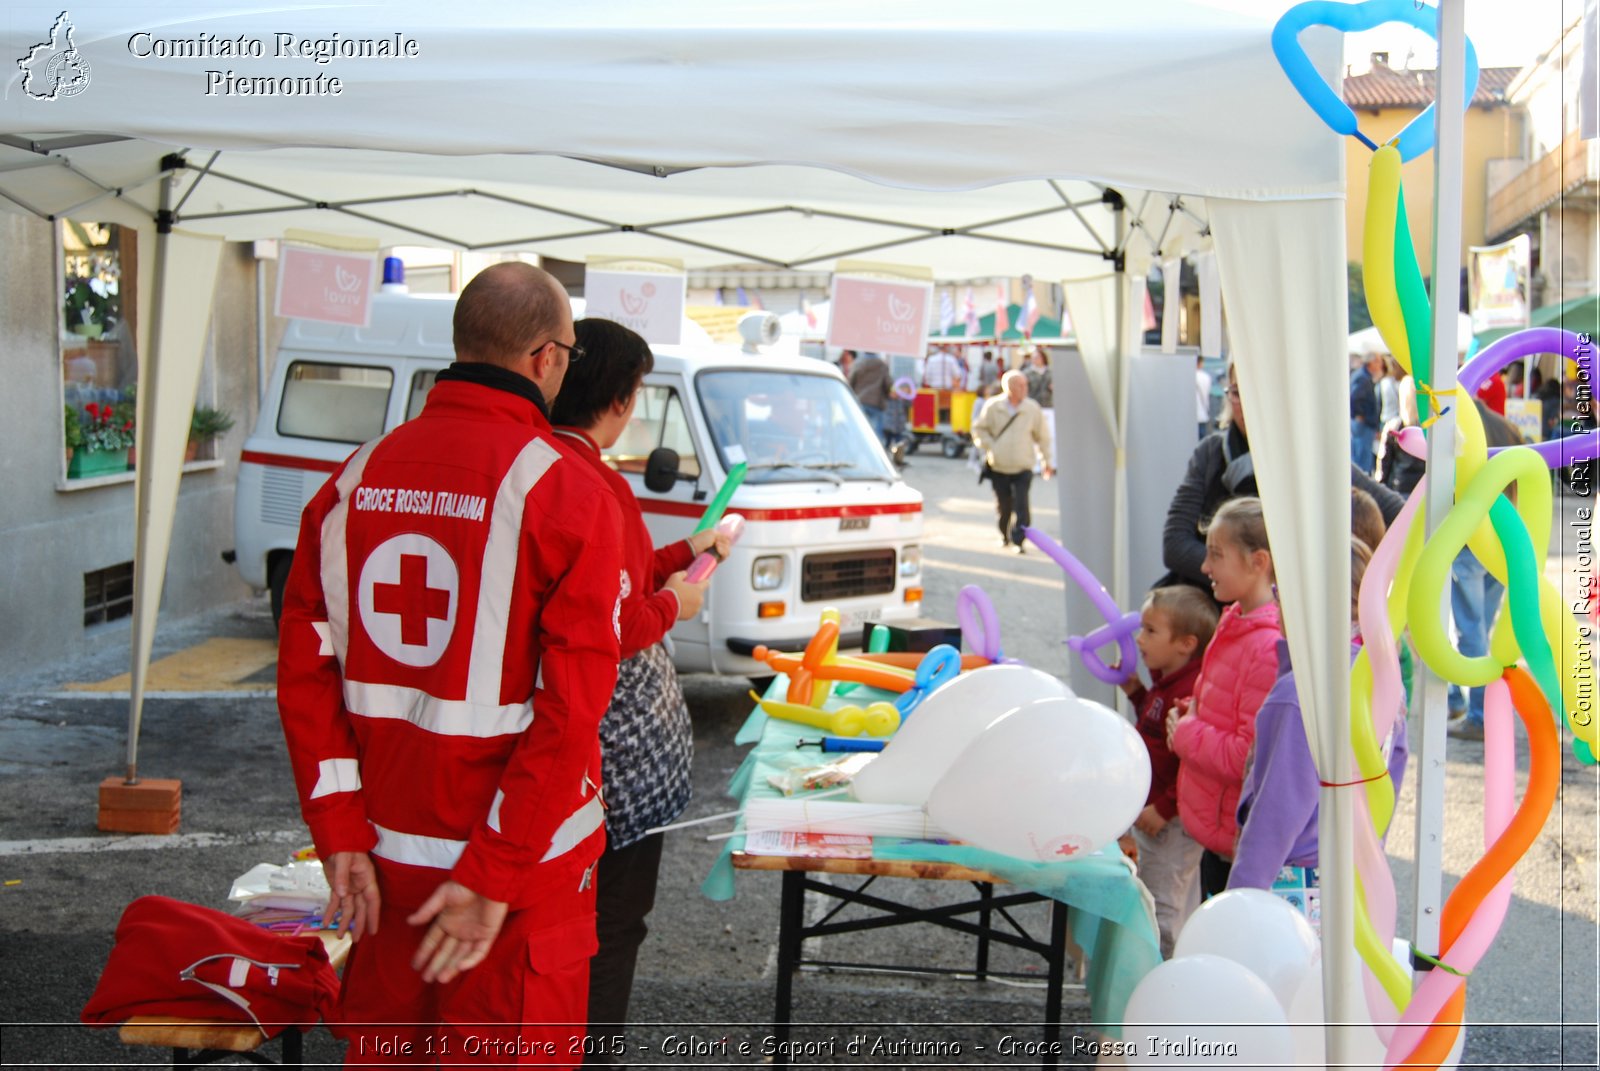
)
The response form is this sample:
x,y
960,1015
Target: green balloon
x,y
719,505
1415,307
1522,595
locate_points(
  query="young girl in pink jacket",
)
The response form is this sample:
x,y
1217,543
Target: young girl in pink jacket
x,y
1212,735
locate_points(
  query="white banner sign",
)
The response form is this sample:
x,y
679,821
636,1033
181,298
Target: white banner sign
x,y
1528,416
334,288
644,296
885,311
1497,285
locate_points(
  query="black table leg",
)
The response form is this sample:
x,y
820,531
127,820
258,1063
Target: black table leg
x,y
791,919
985,896
1058,975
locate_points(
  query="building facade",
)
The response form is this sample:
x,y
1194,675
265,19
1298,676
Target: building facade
x,y
1552,192
66,536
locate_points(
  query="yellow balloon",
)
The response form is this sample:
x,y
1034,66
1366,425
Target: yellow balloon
x,y
1395,979
1377,250
1432,573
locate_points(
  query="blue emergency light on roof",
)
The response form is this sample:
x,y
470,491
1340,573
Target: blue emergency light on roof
x,y
394,275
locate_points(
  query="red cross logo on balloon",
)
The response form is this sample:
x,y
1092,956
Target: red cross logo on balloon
x,y
408,598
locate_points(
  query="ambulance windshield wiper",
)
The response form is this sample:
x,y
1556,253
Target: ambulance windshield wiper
x,y
824,467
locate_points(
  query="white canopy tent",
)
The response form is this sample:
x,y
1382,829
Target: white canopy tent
x,y
1071,141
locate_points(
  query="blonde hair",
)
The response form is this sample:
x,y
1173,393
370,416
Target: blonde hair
x,y
1189,611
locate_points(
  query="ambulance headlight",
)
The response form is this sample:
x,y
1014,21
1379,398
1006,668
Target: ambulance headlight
x,y
910,561
766,574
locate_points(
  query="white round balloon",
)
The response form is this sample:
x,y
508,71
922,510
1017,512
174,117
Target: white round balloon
x,y
1054,779
1205,1011
942,725
1259,930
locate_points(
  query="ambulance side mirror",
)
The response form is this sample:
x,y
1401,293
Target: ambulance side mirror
x,y
661,470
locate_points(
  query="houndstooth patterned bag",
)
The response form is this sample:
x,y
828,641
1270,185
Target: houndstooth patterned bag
x,y
647,748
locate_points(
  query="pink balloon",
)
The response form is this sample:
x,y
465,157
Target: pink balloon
x,y
1383,654
1499,790
1388,691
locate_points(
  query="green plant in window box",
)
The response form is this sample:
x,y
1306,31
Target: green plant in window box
x,y
206,426
72,430
106,439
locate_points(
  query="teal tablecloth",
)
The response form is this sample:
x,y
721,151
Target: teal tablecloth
x,y
1113,920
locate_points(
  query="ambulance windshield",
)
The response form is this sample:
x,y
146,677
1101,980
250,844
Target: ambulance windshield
x,y
789,427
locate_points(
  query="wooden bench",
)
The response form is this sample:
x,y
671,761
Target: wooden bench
x,y
195,1042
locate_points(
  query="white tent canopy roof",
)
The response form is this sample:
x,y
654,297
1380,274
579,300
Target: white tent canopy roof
x,y
700,112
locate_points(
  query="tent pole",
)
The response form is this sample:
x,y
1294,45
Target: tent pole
x,y
142,638
1449,105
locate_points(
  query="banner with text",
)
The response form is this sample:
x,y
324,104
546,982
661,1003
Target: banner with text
x,y
646,296
881,308
331,287
1497,285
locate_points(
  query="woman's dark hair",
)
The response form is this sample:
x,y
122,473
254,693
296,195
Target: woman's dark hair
x,y
615,362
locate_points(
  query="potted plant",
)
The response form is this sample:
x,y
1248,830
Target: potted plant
x,y
124,411
205,427
72,430
105,443
90,306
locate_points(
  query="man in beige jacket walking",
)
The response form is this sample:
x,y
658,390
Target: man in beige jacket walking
x,y
1011,432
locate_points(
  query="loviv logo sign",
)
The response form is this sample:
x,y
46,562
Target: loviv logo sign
x,y
333,288
880,316
55,69
650,303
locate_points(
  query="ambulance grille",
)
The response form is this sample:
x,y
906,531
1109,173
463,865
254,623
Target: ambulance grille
x,y
283,496
824,577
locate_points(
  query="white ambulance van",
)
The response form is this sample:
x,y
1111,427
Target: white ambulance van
x,y
828,521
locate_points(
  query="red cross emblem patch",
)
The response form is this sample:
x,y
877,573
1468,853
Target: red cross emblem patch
x,y
408,597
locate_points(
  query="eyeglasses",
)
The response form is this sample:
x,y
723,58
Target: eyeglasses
x,y
574,353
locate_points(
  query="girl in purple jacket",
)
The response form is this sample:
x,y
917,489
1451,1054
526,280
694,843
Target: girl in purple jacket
x,y
1278,805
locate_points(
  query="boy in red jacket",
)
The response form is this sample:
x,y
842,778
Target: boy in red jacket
x,y
1175,626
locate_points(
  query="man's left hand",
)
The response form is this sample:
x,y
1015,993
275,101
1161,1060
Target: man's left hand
x,y
464,926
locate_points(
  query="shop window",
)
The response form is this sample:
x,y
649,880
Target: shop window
x,y
99,362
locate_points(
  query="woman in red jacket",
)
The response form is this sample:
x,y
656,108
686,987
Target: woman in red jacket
x,y
1212,735
646,740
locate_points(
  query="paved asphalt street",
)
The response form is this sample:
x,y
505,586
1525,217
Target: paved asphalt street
x,y
707,971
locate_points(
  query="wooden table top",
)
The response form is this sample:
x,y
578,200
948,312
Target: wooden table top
x,y
886,868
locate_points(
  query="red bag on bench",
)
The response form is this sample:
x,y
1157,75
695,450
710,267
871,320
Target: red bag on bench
x,y
178,959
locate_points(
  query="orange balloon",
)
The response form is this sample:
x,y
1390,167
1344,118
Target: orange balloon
x,y
1544,775
913,659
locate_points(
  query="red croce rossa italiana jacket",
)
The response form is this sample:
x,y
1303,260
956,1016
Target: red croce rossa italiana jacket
x,y
449,642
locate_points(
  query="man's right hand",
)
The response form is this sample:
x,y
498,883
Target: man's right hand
x,y
354,881
690,596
